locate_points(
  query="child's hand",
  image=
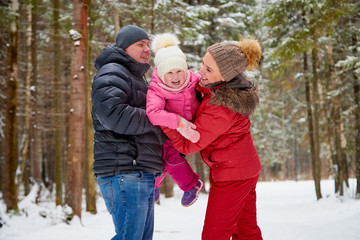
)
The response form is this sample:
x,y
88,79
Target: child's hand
x,y
187,130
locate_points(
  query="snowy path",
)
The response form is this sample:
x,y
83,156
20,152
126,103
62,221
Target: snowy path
x,y
286,210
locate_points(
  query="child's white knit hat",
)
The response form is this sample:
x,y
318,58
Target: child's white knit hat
x,y
167,54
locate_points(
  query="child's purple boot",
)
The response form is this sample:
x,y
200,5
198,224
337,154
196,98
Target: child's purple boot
x,y
192,195
156,195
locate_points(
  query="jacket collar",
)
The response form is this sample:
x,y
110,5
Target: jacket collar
x,y
239,95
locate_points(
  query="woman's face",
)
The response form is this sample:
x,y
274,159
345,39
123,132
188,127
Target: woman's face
x,y
209,71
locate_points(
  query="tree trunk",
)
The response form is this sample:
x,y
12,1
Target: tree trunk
x,y
47,143
77,119
339,138
116,21
330,143
197,164
58,100
315,102
25,156
357,118
168,186
200,168
310,118
295,155
337,143
35,148
310,126
11,146
152,17
90,186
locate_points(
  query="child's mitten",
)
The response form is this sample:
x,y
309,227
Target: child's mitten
x,y
187,130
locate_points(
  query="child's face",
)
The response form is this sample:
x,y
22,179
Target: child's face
x,y
174,78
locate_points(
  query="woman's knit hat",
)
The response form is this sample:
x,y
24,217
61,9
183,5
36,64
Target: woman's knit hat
x,y
234,58
167,54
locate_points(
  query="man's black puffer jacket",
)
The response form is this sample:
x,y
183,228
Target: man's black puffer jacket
x,y
124,139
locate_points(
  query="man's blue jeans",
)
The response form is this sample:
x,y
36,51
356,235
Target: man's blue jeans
x,y
129,198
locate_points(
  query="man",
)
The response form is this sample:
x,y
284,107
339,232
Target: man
x,y
127,147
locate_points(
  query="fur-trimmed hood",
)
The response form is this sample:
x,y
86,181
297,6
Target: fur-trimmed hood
x,y
239,95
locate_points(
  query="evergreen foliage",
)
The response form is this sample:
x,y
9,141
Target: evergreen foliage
x,y
288,30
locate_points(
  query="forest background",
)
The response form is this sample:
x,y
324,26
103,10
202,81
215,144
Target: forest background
x,y
306,126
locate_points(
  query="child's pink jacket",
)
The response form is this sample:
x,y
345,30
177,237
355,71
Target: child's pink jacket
x,y
163,105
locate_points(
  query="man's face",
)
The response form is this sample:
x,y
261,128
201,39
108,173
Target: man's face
x,y
139,51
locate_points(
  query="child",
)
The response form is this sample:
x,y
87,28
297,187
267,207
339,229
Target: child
x,y
171,102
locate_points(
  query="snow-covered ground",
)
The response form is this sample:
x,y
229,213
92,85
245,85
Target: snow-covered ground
x,y
286,210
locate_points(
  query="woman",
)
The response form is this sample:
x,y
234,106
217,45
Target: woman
x,y
225,145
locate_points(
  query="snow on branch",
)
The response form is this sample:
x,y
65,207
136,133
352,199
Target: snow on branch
x,y
75,36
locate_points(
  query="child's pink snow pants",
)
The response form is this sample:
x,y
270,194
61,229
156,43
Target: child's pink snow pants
x,y
178,168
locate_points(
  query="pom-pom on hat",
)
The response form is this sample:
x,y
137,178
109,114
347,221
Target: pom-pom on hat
x,y
129,35
235,58
167,54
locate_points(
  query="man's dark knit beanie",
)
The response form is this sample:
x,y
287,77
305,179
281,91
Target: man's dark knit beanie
x,y
129,35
